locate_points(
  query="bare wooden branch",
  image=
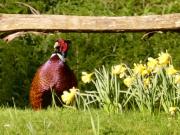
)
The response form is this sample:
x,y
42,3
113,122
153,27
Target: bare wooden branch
x,y
150,34
63,23
33,10
11,37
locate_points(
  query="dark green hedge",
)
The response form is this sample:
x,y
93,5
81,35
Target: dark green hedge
x,y
20,58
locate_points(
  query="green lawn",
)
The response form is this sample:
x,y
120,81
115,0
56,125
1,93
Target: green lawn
x,y
73,122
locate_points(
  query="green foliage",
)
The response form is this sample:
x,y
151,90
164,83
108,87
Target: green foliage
x,y
20,58
108,91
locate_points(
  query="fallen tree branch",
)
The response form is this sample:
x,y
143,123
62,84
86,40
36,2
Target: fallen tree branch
x,y
11,37
33,10
150,34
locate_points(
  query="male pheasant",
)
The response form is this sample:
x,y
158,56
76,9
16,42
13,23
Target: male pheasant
x,y
54,75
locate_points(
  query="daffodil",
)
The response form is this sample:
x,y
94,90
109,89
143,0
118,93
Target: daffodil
x,y
121,75
173,110
128,81
146,82
152,63
146,72
86,78
170,70
68,97
7,125
118,69
177,79
164,58
140,69
73,90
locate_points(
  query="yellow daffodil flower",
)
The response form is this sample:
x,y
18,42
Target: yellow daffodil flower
x,y
128,81
146,82
68,97
164,58
140,69
146,72
86,78
152,63
118,69
170,70
121,75
73,90
173,110
177,79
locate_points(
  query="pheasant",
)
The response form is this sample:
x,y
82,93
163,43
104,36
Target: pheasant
x,y
54,75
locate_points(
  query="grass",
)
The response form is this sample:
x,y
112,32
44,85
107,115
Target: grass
x,y
73,122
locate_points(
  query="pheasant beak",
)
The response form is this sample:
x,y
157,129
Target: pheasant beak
x,y
56,45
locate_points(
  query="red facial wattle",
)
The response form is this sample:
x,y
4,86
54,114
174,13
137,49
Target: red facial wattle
x,y
62,47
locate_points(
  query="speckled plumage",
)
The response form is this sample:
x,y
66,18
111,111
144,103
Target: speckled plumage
x,y
54,74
